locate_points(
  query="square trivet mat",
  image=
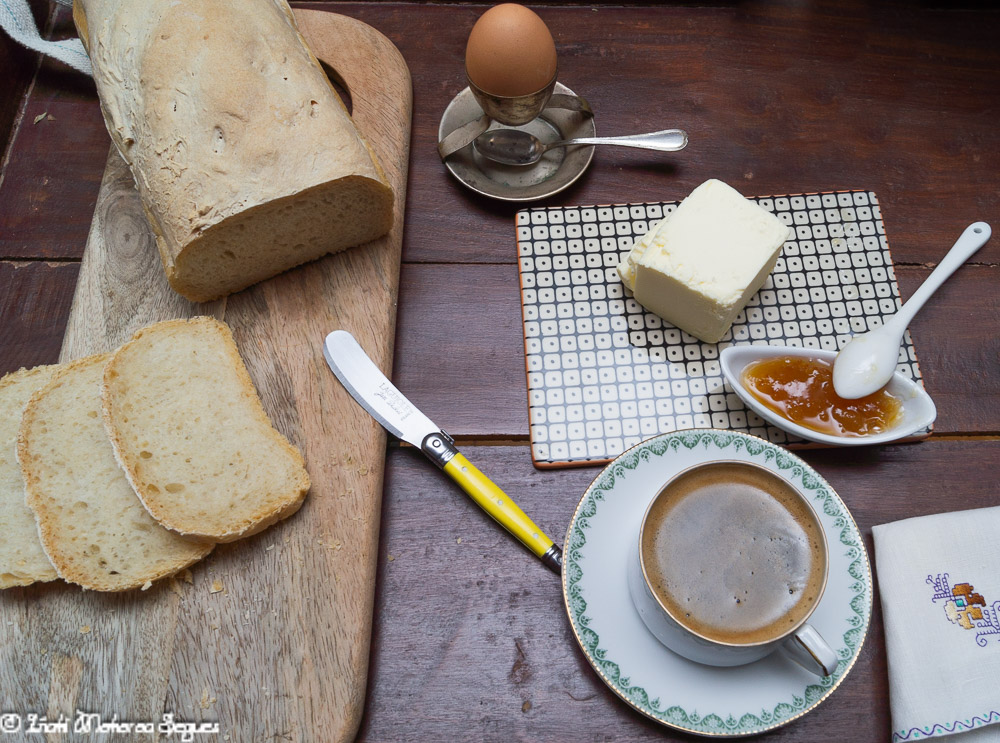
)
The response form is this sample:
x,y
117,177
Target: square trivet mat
x,y
605,374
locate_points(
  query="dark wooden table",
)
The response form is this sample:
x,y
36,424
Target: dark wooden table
x,y
470,639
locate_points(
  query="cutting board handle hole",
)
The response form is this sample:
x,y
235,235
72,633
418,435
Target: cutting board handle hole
x,y
339,85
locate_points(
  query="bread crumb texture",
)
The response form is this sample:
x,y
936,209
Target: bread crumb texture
x,y
245,158
190,431
206,699
22,559
92,527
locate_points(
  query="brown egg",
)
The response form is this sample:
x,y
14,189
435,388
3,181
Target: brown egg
x,y
510,52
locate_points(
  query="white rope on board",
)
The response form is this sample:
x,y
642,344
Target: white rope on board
x,y
16,20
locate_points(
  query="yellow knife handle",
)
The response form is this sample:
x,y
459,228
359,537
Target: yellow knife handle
x,y
503,510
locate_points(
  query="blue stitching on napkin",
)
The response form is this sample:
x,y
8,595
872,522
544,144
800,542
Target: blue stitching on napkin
x,y
975,722
966,608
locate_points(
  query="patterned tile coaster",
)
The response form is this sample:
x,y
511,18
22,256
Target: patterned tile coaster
x,y
605,374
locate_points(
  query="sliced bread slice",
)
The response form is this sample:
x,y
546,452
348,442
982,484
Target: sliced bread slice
x,y
189,430
22,560
92,527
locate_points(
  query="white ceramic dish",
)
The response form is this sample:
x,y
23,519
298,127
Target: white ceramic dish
x,y
918,407
672,690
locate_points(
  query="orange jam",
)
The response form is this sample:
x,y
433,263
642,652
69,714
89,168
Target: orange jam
x,y
801,390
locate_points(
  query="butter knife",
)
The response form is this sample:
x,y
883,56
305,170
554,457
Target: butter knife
x,y
387,405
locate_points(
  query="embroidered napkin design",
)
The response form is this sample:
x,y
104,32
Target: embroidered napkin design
x,y
939,579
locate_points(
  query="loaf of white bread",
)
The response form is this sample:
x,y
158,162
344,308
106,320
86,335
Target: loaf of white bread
x,y
245,158
173,414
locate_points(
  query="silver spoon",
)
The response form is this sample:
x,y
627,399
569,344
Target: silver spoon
x,y
868,361
518,147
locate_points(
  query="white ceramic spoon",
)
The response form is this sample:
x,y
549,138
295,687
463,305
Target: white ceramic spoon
x,y
918,408
868,361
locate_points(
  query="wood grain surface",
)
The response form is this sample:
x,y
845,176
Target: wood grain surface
x,y
287,636
504,615
486,360
470,639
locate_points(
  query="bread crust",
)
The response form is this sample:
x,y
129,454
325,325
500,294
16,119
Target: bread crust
x,y
224,117
32,566
55,542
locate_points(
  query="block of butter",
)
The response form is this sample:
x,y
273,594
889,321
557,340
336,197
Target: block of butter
x,y
698,268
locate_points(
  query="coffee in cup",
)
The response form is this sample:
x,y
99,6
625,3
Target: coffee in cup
x,y
731,562
734,553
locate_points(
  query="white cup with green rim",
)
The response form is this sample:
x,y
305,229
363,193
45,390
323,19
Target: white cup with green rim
x,y
730,562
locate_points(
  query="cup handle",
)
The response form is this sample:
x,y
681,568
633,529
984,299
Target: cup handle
x,y
807,648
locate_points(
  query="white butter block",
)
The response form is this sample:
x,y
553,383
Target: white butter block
x,y
701,266
626,269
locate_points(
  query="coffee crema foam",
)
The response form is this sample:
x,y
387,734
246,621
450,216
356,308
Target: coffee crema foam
x,y
733,553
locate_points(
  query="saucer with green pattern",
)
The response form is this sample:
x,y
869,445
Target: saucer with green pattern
x,y
682,694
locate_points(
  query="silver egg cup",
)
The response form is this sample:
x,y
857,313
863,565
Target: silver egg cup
x,y
513,110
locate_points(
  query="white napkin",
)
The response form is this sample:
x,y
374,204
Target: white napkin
x,y
17,20
939,577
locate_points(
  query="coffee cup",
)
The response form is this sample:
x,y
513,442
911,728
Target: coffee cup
x,y
730,563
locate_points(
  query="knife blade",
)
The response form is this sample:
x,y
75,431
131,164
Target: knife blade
x,y
386,404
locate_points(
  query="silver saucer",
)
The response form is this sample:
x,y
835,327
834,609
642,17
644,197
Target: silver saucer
x,y
558,169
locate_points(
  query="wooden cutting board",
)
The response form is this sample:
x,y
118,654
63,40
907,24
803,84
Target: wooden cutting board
x,y
271,639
